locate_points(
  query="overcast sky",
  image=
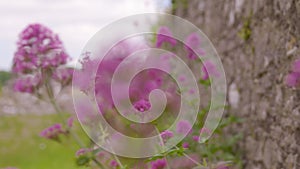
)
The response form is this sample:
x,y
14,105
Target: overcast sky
x,y
75,21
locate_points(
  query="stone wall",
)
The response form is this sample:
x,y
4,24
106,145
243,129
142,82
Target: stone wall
x,y
257,41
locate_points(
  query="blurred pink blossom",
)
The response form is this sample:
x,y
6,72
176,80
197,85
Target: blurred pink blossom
x,y
38,47
293,78
164,34
82,152
53,132
192,45
142,105
209,69
28,83
166,135
159,164
185,145
70,122
114,164
183,127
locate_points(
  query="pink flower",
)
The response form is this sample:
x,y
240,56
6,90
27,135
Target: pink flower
x,y
166,135
182,78
159,164
142,105
292,79
70,122
183,127
209,67
53,132
83,151
83,77
192,45
114,163
139,89
196,138
185,145
28,84
101,154
63,75
164,35
205,130
38,47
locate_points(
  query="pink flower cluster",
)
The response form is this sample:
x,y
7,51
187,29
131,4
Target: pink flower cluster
x,y
63,75
209,67
140,87
38,47
53,132
82,152
39,53
192,42
142,105
28,83
164,35
293,78
184,127
114,164
159,164
166,135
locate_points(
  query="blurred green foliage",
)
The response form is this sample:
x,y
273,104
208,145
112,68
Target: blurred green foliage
x,y
22,147
245,32
4,77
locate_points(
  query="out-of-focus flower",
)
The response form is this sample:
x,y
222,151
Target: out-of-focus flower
x,y
82,152
293,78
53,132
70,122
84,76
205,130
196,138
192,45
38,47
209,69
39,55
114,163
183,127
142,105
166,135
165,35
63,75
159,164
185,145
28,83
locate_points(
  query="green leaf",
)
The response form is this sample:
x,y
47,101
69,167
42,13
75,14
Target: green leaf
x,y
82,161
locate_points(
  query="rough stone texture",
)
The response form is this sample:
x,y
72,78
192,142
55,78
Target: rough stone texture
x,y
255,70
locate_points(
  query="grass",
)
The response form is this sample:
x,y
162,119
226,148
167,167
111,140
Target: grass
x,y
22,147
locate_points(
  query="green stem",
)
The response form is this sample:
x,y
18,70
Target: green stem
x,y
60,113
163,144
